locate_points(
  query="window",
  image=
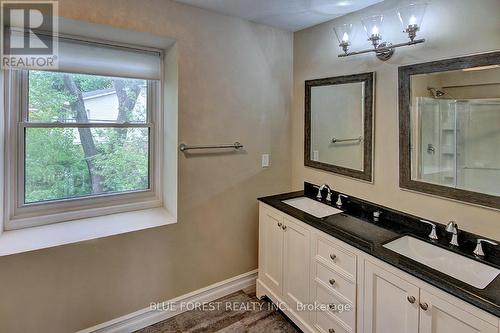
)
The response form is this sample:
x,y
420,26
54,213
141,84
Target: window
x,y
82,143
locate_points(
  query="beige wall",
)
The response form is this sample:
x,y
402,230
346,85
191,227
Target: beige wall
x,y
452,28
235,82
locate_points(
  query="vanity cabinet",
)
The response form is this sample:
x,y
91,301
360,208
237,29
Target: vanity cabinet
x,y
271,249
284,257
443,316
300,265
393,304
296,264
390,302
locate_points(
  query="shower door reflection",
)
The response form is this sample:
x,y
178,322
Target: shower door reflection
x,y
457,143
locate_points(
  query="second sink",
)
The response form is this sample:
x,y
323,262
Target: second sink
x,y
461,268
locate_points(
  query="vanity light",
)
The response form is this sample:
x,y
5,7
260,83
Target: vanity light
x,y
411,18
344,33
372,26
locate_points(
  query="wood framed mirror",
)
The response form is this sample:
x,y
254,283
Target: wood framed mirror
x,y
449,124
339,125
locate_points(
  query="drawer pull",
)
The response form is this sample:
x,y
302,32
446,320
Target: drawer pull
x,y
331,330
283,227
332,281
331,306
424,306
411,299
333,256
279,224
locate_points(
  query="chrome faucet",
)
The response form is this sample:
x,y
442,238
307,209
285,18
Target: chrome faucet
x,y
339,200
452,228
478,251
319,196
432,234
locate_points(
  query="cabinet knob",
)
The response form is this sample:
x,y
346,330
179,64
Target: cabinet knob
x,y
331,330
411,299
332,281
333,256
279,224
424,306
283,227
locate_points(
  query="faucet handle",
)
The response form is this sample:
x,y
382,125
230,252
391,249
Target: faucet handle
x,y
478,251
452,227
339,199
432,234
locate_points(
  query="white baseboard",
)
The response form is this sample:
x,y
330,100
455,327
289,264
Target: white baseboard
x,y
147,316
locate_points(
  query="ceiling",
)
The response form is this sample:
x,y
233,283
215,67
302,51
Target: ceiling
x,y
291,15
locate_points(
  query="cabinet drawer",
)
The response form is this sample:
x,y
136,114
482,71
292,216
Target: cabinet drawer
x,y
325,298
336,282
324,323
336,256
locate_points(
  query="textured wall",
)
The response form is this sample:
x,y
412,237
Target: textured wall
x,y
235,82
452,28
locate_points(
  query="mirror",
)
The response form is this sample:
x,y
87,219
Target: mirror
x,y
338,125
450,128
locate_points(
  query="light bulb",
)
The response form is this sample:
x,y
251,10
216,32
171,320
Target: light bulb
x,y
413,20
345,37
375,31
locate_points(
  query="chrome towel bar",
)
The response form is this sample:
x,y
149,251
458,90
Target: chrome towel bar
x,y
335,140
183,147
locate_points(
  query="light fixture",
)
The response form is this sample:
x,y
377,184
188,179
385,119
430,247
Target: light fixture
x,y
411,18
344,35
372,27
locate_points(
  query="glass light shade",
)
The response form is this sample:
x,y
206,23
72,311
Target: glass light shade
x,y
411,16
344,33
372,25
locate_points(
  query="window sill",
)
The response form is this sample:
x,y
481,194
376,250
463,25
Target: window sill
x,y
36,238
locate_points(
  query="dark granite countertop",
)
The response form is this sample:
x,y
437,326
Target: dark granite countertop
x,y
356,228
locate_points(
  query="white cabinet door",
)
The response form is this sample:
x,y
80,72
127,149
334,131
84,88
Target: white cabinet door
x,y
390,303
442,316
271,250
297,257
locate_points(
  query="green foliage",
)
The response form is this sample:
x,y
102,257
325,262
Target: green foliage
x,y
55,166
55,163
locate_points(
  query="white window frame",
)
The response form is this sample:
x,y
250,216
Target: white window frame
x,y
19,215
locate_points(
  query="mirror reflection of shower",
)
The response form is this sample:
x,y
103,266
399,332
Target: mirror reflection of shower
x,y
456,129
436,93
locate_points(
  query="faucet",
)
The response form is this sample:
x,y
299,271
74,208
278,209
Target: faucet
x,y
319,196
339,200
432,234
452,228
478,251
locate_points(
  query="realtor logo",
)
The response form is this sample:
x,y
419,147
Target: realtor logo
x,y
29,34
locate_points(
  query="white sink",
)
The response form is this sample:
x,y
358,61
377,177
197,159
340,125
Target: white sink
x,y
461,268
312,207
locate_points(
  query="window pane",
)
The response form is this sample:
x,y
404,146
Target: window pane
x,y
84,98
63,163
